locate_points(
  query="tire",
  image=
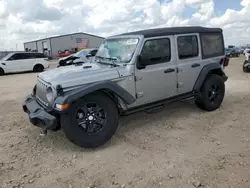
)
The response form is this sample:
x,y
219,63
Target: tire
x,y
80,134
246,69
1,72
38,68
212,93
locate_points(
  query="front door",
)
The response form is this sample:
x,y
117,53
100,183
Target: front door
x,y
14,63
157,79
189,61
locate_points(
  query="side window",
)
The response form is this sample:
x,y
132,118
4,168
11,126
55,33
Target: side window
x,y
156,51
212,45
40,55
27,56
187,47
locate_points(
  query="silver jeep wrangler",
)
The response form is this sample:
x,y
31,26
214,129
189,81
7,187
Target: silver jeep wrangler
x,y
131,72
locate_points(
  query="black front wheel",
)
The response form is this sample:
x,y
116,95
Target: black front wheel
x,y
1,72
212,93
91,121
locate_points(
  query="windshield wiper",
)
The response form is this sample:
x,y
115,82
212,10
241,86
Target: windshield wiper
x,y
113,60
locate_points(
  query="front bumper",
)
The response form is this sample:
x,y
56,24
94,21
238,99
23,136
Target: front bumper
x,y
38,115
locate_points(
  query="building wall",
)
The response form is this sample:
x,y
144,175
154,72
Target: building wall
x,y
41,47
65,42
30,45
70,42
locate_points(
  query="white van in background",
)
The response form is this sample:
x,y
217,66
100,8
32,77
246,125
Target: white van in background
x,y
23,61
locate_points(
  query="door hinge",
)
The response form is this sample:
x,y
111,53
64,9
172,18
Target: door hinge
x,y
137,78
139,95
179,84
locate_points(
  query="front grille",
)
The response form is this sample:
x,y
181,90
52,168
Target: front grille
x,y
41,88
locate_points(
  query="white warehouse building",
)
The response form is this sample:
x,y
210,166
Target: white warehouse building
x,y
74,42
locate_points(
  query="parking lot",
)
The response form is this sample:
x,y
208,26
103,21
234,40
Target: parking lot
x,y
180,146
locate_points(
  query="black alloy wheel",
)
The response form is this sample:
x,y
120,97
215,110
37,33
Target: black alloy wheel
x,y
212,93
91,118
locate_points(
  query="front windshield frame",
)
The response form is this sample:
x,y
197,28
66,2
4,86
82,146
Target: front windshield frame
x,y
114,59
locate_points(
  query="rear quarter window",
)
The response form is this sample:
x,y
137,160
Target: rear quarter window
x,y
40,55
212,45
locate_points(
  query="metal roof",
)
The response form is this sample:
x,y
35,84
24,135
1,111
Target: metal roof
x,y
64,36
173,30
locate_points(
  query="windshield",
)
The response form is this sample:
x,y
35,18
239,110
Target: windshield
x,y
81,53
121,49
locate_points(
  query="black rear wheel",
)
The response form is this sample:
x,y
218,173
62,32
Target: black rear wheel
x,y
38,68
246,66
212,93
91,121
1,72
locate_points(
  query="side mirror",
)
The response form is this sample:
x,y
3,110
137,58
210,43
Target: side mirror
x,y
141,62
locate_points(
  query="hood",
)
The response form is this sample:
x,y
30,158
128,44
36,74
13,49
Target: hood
x,y
72,76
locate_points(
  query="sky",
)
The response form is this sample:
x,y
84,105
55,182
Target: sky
x,y
25,20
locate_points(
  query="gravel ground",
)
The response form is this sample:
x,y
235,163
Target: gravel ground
x,y
181,146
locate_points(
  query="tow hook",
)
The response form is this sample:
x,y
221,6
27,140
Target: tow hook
x,y
43,132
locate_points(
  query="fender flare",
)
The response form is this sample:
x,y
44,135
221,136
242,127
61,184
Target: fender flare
x,y
69,97
205,71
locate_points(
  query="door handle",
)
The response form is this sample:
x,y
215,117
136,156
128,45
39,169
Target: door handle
x,y
196,65
169,70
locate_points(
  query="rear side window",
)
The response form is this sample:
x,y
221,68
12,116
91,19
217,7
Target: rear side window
x,y
187,47
40,55
27,56
212,45
156,51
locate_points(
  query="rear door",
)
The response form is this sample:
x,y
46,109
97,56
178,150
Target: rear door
x,y
40,58
28,61
189,61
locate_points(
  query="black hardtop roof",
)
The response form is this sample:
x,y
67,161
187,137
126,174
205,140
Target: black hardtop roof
x,y
174,30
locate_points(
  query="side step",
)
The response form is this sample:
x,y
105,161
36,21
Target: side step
x,y
187,100
159,105
154,109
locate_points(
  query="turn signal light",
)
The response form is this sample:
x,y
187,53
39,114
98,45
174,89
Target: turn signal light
x,y
62,106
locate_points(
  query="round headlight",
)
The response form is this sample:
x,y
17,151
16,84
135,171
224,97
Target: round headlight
x,y
49,94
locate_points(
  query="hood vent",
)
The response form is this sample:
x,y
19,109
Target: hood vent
x,y
87,67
